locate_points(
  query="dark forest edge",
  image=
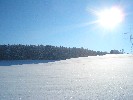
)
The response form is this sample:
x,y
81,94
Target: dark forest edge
x,y
41,52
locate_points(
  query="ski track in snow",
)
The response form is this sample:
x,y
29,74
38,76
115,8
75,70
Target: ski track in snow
x,y
108,77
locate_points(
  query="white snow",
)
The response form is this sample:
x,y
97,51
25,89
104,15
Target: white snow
x,y
107,77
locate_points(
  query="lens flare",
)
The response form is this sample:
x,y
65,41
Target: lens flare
x,y
110,18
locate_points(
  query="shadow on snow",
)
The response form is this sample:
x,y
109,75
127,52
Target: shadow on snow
x,y
21,62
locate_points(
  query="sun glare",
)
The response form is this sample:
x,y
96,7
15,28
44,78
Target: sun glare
x,y
110,18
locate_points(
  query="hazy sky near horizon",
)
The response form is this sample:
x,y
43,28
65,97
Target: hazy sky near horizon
x,y
68,23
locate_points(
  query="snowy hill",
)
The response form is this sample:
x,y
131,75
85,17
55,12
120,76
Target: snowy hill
x,y
108,77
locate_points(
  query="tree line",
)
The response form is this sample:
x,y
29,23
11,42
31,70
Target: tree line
x,y
41,52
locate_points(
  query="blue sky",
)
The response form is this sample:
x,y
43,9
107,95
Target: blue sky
x,y
63,23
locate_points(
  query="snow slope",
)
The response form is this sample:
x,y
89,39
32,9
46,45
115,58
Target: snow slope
x,y
107,77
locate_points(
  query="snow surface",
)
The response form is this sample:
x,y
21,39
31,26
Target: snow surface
x,y
107,77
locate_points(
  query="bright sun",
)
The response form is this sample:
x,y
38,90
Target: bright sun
x,y
110,18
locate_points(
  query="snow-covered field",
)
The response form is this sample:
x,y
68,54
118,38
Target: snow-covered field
x,y
107,77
